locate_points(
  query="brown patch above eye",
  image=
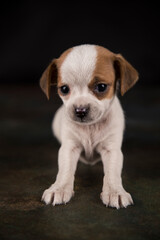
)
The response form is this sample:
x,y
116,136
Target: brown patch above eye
x,y
107,93
104,72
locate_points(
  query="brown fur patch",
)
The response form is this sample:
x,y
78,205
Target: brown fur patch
x,y
51,76
60,60
125,73
104,73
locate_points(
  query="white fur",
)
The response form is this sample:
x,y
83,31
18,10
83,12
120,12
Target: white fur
x,y
79,65
103,135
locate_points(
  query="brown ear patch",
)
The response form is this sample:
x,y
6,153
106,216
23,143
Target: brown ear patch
x,y
125,73
49,78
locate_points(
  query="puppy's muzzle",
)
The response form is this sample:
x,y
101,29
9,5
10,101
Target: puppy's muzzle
x,y
81,112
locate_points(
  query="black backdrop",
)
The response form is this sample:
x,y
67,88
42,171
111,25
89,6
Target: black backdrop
x,y
32,33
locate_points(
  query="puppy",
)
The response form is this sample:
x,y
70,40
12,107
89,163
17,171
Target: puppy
x,y
90,123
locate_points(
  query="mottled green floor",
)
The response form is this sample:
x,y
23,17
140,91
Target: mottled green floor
x,y
28,165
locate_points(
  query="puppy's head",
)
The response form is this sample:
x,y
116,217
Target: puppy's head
x,y
86,77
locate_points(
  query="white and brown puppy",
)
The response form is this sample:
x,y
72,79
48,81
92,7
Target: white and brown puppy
x,y
90,123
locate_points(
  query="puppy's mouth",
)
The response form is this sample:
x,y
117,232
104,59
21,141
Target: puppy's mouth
x,y
82,120
86,121
85,115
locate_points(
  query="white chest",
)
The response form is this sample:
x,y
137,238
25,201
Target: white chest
x,y
89,137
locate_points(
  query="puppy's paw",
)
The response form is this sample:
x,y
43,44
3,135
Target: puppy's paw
x,y
116,198
57,195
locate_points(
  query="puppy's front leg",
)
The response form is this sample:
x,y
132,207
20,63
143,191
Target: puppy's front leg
x,y
113,193
62,190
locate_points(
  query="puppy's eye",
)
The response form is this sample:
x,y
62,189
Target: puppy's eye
x,y
101,87
64,89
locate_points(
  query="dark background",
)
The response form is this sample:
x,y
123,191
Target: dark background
x,y
32,33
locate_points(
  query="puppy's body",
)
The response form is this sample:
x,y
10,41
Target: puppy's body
x,y
108,131
90,123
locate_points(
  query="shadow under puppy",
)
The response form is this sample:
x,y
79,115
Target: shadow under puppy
x,y
90,123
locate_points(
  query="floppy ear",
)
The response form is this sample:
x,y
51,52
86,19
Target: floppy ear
x,y
49,78
125,73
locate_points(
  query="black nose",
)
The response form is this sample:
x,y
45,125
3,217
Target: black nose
x,y
81,112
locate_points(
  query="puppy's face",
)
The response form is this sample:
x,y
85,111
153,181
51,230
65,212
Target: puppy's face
x,y
86,83
86,78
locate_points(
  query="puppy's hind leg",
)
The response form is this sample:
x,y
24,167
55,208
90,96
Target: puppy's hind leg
x,y
62,190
